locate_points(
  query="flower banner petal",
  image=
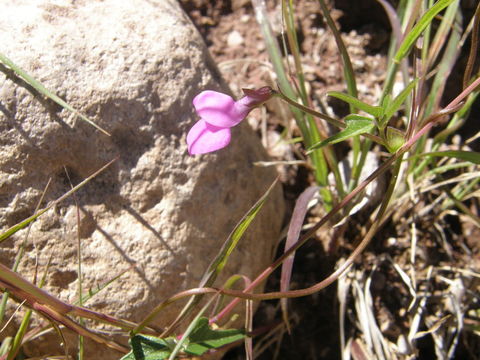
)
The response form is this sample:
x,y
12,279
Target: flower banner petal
x,y
218,109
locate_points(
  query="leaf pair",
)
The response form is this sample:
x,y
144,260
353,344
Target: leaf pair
x,y
357,124
201,339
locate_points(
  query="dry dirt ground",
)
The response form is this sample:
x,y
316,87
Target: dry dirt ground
x,y
446,243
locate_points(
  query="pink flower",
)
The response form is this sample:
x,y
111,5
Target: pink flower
x,y
218,113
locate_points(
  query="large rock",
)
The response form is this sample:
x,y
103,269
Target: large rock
x,y
134,67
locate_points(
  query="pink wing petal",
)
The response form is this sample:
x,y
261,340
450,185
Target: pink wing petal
x,y
204,138
218,109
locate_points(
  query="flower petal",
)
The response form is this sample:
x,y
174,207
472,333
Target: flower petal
x,y
204,138
219,109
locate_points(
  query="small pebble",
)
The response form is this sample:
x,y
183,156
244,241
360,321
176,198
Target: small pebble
x,y
245,18
234,39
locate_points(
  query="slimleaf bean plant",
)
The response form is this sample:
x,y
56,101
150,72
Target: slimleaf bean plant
x,y
411,131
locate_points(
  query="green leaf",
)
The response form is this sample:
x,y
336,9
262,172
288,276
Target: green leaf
x,y
149,348
471,156
204,338
37,85
417,30
394,105
356,125
376,111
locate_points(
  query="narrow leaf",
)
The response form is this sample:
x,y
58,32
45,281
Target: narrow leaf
x,y
9,232
450,54
471,156
95,290
441,35
376,111
37,85
347,64
221,259
394,105
359,126
417,30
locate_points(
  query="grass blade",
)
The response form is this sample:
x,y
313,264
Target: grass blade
x,y
471,156
441,35
450,54
398,101
347,64
417,30
20,335
299,213
37,85
473,48
221,259
306,123
17,227
193,325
